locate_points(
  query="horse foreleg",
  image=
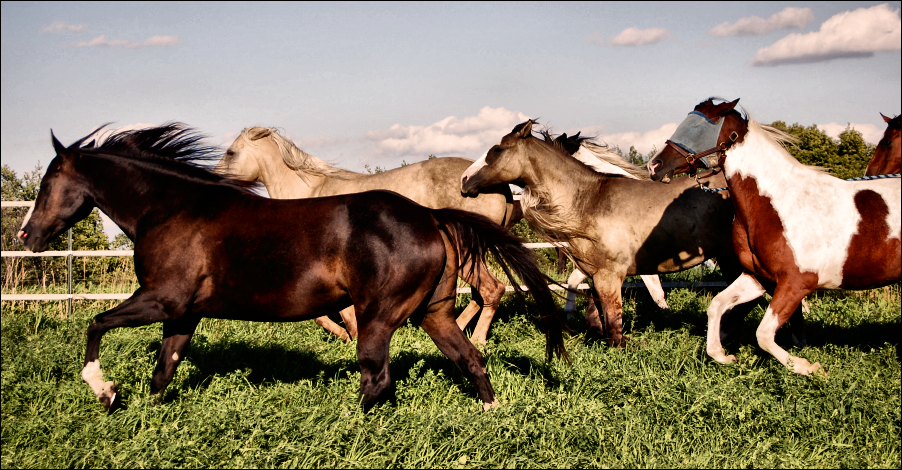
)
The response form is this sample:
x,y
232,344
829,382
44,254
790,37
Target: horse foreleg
x,y
784,303
608,285
653,283
177,335
332,327
743,289
139,310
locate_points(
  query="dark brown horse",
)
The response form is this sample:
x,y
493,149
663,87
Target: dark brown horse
x,y
615,225
796,229
887,159
207,247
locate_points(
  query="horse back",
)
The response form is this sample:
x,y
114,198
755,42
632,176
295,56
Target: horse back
x,y
431,183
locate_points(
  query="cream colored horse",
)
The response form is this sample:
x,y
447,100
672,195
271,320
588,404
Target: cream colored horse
x,y
262,154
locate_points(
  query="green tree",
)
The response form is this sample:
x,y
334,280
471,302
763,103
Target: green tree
x,y
846,157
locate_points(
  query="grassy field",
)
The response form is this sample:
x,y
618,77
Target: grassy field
x,y
284,395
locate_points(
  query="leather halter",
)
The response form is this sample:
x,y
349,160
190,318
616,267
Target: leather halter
x,y
692,159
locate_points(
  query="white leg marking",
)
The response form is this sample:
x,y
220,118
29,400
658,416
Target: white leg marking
x,y
653,283
743,289
765,334
489,406
94,377
573,281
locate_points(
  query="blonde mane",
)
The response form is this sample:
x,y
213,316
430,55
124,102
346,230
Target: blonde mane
x,y
782,140
606,155
298,160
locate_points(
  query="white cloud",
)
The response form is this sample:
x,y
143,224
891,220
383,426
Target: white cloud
x,y
644,142
790,17
857,33
639,37
63,27
102,41
467,137
871,133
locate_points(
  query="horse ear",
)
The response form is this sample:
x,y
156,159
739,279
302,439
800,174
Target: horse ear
x,y
57,146
576,136
885,119
257,133
524,130
724,108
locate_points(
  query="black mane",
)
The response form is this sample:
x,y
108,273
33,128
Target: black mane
x,y
174,146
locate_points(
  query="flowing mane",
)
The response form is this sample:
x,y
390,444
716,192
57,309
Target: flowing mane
x,y
172,146
298,160
570,145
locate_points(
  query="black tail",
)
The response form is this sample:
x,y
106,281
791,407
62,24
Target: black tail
x,y
474,235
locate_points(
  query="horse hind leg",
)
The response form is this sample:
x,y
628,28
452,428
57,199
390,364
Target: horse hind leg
x,y
439,324
491,290
176,337
332,327
784,303
745,288
350,319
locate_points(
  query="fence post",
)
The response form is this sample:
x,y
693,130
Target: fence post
x,y
69,277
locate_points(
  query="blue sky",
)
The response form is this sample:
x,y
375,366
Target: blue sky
x,y
380,83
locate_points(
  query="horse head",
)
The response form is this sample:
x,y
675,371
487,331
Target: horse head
x,y
503,163
887,157
707,127
241,160
63,199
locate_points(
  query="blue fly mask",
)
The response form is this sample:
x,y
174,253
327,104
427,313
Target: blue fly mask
x,y
696,134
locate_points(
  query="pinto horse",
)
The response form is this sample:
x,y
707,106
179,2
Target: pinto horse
x,y
207,247
887,159
262,154
796,229
615,225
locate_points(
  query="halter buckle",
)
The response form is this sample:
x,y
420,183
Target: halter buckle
x,y
690,158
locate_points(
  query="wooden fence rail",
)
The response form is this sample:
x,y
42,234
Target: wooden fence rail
x,y
69,254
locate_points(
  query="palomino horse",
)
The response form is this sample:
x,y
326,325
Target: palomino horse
x,y
797,229
887,159
262,154
596,157
615,225
206,247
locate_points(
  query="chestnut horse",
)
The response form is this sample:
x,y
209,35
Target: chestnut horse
x,y
207,247
887,157
616,226
262,154
797,228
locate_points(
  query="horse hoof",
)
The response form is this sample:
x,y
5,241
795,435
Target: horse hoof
x,y
108,398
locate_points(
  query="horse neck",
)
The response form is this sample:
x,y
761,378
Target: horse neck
x,y
560,176
282,182
760,156
148,194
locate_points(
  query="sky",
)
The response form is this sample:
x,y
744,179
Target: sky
x,y
377,84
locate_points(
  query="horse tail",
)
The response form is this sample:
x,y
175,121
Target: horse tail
x,y
474,235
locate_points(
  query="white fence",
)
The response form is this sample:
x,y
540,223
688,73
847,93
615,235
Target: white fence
x,y
69,254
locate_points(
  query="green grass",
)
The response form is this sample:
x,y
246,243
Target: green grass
x,y
284,395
